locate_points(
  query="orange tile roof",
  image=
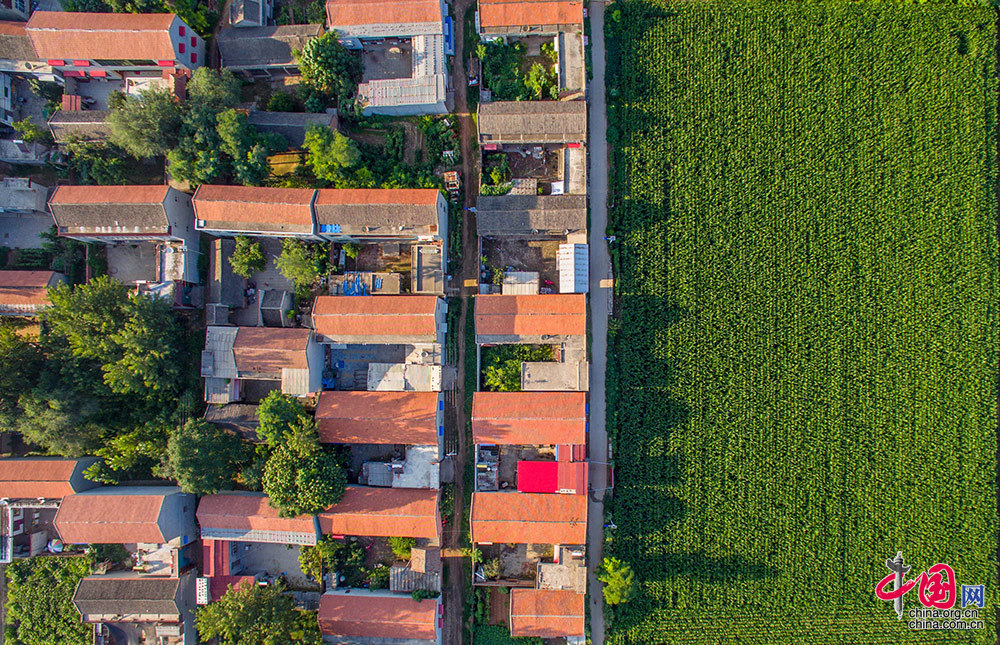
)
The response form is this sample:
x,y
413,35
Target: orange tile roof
x,y
403,512
153,194
352,317
102,36
523,13
529,518
529,418
546,613
266,350
353,13
533,315
12,28
368,616
24,288
88,518
241,207
28,478
247,512
377,417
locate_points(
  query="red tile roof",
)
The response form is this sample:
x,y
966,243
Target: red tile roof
x,y
250,208
21,289
29,478
353,13
102,36
88,518
247,512
267,350
403,512
377,417
531,315
523,13
529,418
529,518
354,318
546,613
134,194
573,477
366,616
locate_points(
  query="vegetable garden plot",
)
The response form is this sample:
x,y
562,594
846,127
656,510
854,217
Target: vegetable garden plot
x,y
803,367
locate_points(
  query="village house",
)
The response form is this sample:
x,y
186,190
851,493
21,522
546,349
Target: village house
x,y
158,608
30,493
79,125
412,321
114,46
396,438
532,122
547,319
149,231
25,293
404,47
379,618
247,363
248,14
247,210
548,613
264,51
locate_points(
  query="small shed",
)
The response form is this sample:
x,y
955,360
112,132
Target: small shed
x,y
520,283
574,271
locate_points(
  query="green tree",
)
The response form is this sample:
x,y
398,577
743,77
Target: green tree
x,y
63,423
198,157
401,546
147,125
327,66
301,262
619,581
22,362
330,153
219,90
202,457
40,607
244,146
281,102
129,453
300,477
540,80
313,559
32,133
97,163
502,365
255,615
248,257
277,414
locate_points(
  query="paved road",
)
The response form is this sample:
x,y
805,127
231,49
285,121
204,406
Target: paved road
x,y
600,269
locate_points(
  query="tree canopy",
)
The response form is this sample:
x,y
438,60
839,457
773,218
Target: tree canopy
x,y
40,607
301,262
248,257
256,615
619,581
278,413
331,153
328,67
202,457
146,125
300,476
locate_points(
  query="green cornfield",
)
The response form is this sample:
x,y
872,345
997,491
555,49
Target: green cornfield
x,y
803,362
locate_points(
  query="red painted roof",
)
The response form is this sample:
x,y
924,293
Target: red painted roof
x,y
532,315
106,518
30,478
546,613
355,318
529,418
362,615
403,512
353,13
529,518
537,476
102,36
377,417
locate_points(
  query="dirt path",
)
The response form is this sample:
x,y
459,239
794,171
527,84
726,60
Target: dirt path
x,y
454,592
